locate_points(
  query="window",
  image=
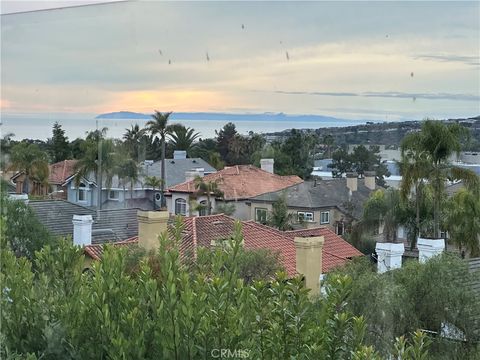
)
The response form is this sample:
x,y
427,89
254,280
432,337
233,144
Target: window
x,y
325,217
340,228
82,193
261,215
305,216
180,207
113,194
202,209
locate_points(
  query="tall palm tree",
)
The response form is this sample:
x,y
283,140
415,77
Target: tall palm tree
x,y
154,183
99,160
29,159
159,126
462,219
414,168
182,138
439,142
127,170
208,189
133,140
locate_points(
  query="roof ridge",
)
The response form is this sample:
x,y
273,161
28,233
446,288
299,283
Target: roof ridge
x,y
194,237
266,228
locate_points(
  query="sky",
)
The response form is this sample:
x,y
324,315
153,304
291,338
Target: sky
x,y
352,60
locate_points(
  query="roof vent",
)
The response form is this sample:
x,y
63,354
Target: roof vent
x,y
218,222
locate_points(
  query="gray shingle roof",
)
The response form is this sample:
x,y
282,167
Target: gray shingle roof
x,y
113,225
474,267
323,194
174,170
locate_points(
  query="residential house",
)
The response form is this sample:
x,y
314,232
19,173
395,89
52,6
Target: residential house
x,y
118,193
333,203
310,252
59,174
238,184
107,225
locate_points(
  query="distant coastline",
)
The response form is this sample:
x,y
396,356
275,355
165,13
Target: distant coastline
x,y
129,115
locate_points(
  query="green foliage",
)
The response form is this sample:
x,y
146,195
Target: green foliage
x,y
359,161
174,311
29,159
135,142
59,146
224,208
183,138
280,217
417,296
22,231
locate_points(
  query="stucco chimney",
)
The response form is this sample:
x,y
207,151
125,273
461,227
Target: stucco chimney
x,y
179,154
82,230
309,260
389,256
428,248
150,225
19,197
191,175
267,165
370,179
352,181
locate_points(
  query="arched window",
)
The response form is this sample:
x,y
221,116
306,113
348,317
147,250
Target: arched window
x,y
180,207
202,211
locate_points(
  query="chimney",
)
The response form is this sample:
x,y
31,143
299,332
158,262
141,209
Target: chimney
x,y
19,197
352,181
82,230
309,260
191,174
370,179
150,225
428,248
267,165
179,154
389,256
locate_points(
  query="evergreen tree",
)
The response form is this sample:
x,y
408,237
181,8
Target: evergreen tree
x,y
59,147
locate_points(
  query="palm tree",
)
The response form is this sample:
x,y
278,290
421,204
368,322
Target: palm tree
x,y
208,189
438,142
384,207
133,140
414,168
29,159
159,126
154,183
182,138
462,219
127,170
280,217
99,160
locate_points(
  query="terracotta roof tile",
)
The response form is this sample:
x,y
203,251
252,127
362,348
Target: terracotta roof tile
x,y
242,182
61,171
336,251
95,251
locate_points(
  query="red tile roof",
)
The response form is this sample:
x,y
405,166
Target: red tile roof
x,y
203,230
61,171
336,251
95,251
242,182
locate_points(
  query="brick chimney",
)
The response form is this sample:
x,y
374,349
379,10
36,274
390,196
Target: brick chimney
x,y
352,181
267,165
150,225
370,179
309,260
82,230
389,256
428,248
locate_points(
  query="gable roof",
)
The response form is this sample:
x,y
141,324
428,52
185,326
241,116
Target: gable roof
x,y
113,225
61,171
174,173
95,251
205,230
242,182
321,194
336,251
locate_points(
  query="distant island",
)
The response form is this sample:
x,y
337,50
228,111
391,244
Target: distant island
x,y
229,117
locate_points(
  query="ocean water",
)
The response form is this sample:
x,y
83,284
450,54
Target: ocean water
x,y
35,127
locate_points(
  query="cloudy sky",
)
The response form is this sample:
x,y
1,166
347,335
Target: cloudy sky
x,y
357,60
